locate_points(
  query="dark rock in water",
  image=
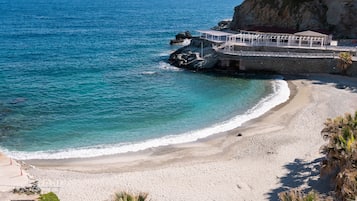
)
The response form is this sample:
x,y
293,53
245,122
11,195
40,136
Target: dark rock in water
x,y
196,56
222,25
183,35
180,37
175,41
17,100
5,112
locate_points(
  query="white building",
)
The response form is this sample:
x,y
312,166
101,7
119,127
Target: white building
x,y
215,36
305,39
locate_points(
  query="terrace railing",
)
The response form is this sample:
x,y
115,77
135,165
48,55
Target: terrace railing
x,y
277,54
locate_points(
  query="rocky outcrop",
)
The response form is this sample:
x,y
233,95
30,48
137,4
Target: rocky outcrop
x,y
337,17
180,37
222,25
190,56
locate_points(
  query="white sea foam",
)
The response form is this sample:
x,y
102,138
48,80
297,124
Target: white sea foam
x,y
280,95
164,54
167,66
186,42
148,73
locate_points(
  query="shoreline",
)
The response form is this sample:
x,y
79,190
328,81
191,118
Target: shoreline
x,y
256,166
175,146
280,94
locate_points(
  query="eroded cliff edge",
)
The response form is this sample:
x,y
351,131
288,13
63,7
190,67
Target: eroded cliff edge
x,y
337,17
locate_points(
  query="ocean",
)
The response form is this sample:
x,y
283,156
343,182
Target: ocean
x,y
86,78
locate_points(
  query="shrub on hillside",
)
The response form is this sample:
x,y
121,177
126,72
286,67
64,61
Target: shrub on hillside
x,y
341,155
49,197
298,195
125,196
340,161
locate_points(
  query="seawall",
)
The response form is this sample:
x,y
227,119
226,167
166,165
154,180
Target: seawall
x,y
282,65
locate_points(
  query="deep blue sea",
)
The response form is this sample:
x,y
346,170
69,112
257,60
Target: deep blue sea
x,y
82,78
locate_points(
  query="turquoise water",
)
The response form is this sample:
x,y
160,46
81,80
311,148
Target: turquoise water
x,y
86,78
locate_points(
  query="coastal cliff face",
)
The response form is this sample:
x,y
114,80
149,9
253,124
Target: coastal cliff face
x,y
338,17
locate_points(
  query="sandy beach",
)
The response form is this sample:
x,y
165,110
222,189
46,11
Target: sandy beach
x,y
277,151
12,176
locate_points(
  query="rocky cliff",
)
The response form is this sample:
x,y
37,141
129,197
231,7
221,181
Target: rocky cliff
x,y
338,17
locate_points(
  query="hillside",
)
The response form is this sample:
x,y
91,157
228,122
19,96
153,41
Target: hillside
x,y
337,17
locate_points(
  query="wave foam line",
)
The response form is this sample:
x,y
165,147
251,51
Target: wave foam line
x,y
280,94
168,67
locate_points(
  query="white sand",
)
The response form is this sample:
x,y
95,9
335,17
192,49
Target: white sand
x,y
12,176
276,151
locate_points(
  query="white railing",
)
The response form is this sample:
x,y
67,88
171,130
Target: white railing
x,y
315,47
278,54
280,45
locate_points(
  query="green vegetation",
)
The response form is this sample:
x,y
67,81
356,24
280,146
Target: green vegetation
x,y
341,155
49,197
340,161
345,59
125,196
298,195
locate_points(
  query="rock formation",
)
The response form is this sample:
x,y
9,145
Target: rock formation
x,y
28,190
222,25
190,56
337,17
180,37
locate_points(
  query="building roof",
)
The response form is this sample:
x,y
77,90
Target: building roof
x,y
215,33
310,33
